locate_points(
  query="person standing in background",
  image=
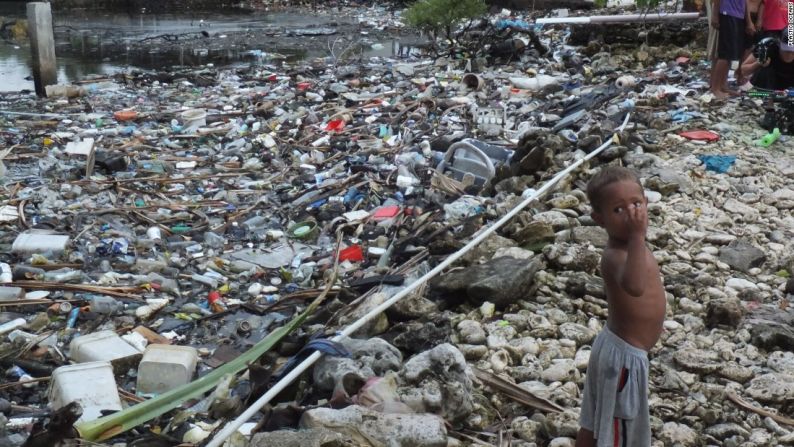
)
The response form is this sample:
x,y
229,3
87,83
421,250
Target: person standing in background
x,y
774,18
728,16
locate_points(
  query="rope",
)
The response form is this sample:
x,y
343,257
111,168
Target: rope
x,y
230,428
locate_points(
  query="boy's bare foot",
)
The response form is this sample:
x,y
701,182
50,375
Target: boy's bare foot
x,y
719,94
731,92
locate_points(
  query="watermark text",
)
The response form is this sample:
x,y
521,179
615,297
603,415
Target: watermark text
x,y
790,20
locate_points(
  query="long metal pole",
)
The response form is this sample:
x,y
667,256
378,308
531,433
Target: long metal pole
x,y
630,18
231,427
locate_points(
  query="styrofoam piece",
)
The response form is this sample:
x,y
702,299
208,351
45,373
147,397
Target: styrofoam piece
x,y
40,241
101,346
165,367
83,147
92,385
536,83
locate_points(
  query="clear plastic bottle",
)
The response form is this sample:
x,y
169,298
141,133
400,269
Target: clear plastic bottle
x,y
255,223
214,240
105,305
12,325
63,275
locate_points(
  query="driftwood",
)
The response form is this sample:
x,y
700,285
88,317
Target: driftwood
x,y
516,393
120,292
743,404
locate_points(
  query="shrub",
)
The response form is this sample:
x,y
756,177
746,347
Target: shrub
x,y
441,16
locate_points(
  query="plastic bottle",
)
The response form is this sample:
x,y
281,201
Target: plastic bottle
x,y
26,272
63,275
623,106
770,138
72,320
12,325
145,266
211,282
27,337
213,240
5,273
154,233
166,285
255,223
104,305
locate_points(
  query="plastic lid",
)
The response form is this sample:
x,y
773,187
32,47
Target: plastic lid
x,y
303,230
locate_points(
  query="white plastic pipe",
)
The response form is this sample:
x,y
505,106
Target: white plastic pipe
x,y
650,17
231,427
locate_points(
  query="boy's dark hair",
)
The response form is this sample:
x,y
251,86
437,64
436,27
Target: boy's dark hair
x,y
606,176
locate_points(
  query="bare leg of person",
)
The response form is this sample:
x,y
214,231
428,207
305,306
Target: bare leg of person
x,y
585,438
719,77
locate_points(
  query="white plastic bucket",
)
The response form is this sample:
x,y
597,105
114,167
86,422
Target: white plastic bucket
x,y
92,385
102,346
165,367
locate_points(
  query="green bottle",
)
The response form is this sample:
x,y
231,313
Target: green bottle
x,y
770,138
180,228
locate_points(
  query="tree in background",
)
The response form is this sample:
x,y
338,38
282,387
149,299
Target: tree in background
x,y
440,18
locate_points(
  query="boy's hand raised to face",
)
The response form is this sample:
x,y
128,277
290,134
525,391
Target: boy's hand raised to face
x,y
636,217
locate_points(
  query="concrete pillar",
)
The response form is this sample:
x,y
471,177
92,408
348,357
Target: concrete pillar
x,y
42,45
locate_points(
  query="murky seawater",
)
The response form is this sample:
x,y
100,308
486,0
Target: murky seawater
x,y
98,43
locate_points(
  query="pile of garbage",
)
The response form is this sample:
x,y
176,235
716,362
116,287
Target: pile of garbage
x,y
196,234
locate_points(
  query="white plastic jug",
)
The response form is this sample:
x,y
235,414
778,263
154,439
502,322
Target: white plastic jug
x,y
92,385
165,367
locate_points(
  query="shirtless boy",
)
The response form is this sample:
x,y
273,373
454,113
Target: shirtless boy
x,y
615,401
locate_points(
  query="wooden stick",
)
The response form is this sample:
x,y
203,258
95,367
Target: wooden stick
x,y
516,393
121,292
741,403
22,382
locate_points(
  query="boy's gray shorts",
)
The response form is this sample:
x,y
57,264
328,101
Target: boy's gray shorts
x,y
615,401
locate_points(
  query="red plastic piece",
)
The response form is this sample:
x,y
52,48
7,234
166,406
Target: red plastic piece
x,y
386,212
700,135
353,253
303,86
335,126
213,297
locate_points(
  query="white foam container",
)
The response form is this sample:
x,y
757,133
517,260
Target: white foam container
x,y
40,241
92,385
165,367
101,346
